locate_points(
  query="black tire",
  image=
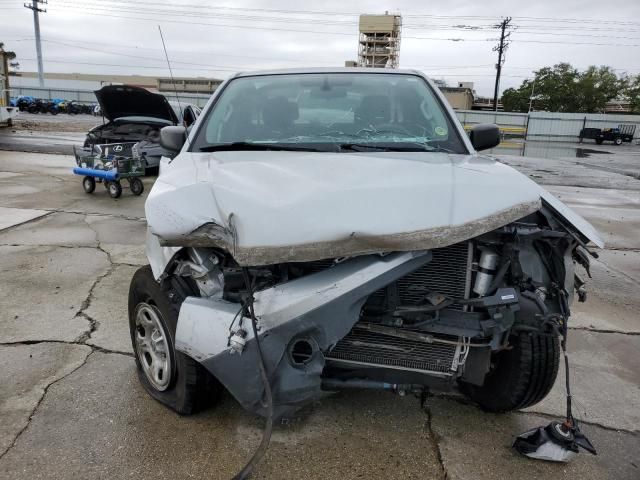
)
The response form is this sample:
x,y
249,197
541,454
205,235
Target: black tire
x,y
115,189
599,141
191,388
152,171
89,184
618,141
521,376
136,185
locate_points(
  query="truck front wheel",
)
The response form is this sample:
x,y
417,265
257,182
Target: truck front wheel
x,y
520,376
169,376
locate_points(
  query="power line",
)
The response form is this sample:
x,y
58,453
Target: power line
x,y
62,40
144,57
126,8
562,42
121,5
306,31
229,67
171,20
519,19
130,66
517,30
173,9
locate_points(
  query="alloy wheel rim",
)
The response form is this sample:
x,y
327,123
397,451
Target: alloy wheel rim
x,y
152,347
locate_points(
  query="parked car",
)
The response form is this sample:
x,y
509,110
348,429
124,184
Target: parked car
x,y
333,228
75,108
43,105
134,114
23,102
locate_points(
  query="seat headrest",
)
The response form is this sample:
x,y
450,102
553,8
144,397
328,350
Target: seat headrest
x,y
374,109
279,111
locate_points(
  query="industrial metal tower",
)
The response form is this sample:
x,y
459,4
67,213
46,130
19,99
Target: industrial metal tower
x,y
379,43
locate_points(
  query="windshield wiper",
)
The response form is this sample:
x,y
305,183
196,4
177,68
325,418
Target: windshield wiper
x,y
239,146
363,147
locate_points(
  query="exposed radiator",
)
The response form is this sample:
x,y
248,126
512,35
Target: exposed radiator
x,y
448,273
362,347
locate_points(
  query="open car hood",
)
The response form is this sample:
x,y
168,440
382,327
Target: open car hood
x,y
274,207
119,101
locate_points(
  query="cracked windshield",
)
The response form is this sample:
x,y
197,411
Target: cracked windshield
x,y
320,112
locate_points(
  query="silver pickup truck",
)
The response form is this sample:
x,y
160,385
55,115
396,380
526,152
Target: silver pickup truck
x,y
324,229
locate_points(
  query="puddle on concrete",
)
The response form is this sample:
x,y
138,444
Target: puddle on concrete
x,y
552,150
586,152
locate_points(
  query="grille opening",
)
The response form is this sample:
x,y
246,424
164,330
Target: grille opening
x,y
448,273
371,348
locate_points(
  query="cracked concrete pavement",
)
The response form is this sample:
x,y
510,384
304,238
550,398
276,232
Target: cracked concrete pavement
x,y
72,406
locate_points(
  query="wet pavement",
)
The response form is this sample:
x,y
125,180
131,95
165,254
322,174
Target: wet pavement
x,y
72,407
45,133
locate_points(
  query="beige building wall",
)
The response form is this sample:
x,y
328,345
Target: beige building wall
x,y
137,80
459,98
163,84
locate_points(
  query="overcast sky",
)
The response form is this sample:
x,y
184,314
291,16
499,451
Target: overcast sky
x,y
214,39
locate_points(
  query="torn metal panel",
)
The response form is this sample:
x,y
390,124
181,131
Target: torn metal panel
x,y
318,309
572,218
158,256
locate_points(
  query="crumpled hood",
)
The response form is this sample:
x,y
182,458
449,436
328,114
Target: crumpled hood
x,y
117,101
273,207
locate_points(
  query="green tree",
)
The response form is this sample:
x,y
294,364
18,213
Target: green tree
x,y
517,100
632,93
598,85
562,88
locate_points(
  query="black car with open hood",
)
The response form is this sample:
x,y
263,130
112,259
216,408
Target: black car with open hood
x,y
119,101
136,115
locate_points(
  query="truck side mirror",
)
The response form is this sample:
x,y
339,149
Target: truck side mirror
x,y
484,136
173,138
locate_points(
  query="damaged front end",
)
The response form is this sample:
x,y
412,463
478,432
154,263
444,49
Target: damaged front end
x,y
400,320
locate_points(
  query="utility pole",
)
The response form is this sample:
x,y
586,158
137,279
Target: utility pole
x,y
501,48
36,26
533,88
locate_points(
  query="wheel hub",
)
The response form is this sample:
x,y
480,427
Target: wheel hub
x,y
152,347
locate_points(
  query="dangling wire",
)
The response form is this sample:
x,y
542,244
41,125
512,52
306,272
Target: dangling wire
x,y
266,436
564,309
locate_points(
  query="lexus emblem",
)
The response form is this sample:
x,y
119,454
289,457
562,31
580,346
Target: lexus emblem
x,y
117,148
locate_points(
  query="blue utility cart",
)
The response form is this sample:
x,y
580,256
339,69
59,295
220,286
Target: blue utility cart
x,y
109,164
